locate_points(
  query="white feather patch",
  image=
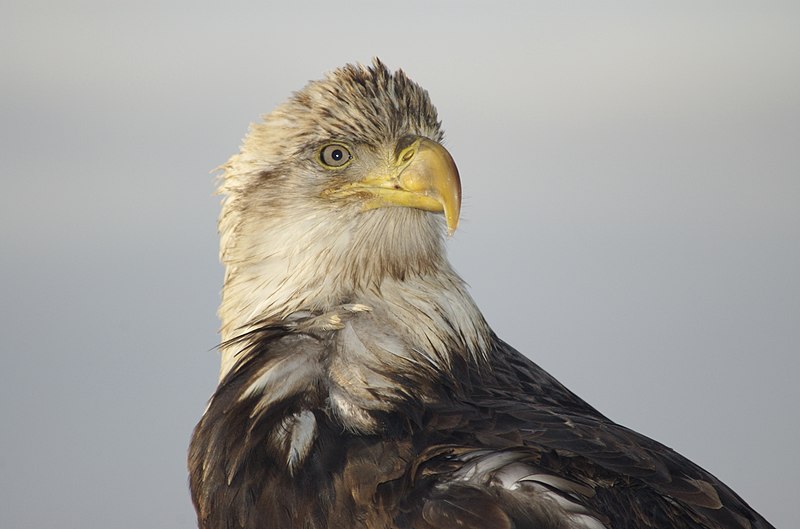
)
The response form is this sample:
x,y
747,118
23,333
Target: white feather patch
x,y
280,379
297,434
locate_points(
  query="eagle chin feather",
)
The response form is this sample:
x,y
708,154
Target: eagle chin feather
x,y
360,385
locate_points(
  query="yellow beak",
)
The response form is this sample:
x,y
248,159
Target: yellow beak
x,y
424,177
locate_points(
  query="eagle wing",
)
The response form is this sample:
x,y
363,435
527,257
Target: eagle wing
x,y
530,441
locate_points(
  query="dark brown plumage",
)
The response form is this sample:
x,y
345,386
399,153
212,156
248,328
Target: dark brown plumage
x,y
360,385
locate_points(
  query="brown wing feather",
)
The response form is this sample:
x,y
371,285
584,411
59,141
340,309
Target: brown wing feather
x,y
572,439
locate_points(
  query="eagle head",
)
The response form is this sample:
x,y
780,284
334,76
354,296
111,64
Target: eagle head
x,y
340,189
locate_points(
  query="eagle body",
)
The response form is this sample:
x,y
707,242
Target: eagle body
x,y
360,386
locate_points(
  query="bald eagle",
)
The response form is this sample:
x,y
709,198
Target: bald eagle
x,y
360,385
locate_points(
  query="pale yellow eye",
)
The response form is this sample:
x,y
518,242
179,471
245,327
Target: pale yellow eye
x,y
335,156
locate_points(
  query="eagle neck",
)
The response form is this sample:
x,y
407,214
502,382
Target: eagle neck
x,y
391,260
433,310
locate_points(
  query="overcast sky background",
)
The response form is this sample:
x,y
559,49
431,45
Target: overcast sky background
x,y
631,220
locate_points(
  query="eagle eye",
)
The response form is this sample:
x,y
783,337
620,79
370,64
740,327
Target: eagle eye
x,y
334,156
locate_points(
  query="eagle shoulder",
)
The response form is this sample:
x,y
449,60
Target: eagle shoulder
x,y
330,422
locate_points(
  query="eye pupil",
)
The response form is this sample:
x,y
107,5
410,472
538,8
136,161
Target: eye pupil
x,y
337,154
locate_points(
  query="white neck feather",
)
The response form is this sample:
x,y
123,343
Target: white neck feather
x,y
276,266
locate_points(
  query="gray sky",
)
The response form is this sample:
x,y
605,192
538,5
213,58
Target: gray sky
x,y
631,220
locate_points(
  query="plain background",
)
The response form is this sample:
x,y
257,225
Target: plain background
x,y
631,220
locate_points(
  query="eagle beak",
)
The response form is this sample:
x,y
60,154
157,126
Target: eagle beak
x,y
432,180
424,176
